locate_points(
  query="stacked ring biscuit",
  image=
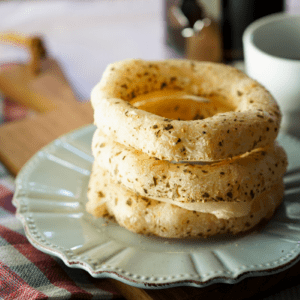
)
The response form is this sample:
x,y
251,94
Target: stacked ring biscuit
x,y
184,149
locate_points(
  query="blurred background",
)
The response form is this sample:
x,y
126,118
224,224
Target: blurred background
x,y
85,36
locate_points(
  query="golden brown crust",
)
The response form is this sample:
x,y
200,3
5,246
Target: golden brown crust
x,y
147,216
254,123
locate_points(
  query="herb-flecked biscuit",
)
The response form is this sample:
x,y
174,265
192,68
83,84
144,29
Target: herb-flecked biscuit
x,y
239,179
146,216
253,123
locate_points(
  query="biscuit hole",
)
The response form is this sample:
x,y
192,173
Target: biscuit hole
x,y
180,105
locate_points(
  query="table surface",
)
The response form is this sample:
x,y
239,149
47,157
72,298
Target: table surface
x,y
80,36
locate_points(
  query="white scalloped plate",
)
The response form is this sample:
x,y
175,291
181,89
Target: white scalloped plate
x,y
50,198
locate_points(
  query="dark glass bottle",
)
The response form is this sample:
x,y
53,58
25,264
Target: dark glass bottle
x,y
236,15
179,15
192,10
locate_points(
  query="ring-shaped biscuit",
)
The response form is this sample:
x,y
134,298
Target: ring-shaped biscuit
x,y
147,216
239,179
252,123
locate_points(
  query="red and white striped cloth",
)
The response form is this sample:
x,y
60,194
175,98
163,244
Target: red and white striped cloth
x,y
25,272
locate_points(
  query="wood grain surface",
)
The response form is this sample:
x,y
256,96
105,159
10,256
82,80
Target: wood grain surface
x,y
20,140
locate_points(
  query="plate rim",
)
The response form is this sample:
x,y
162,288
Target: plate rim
x,y
100,272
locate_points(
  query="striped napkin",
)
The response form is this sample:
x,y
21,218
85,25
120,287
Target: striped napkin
x,y
25,272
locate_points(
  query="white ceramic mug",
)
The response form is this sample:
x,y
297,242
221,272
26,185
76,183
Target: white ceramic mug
x,y
272,57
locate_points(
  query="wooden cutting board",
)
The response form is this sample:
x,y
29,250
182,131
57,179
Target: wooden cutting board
x,y
59,113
